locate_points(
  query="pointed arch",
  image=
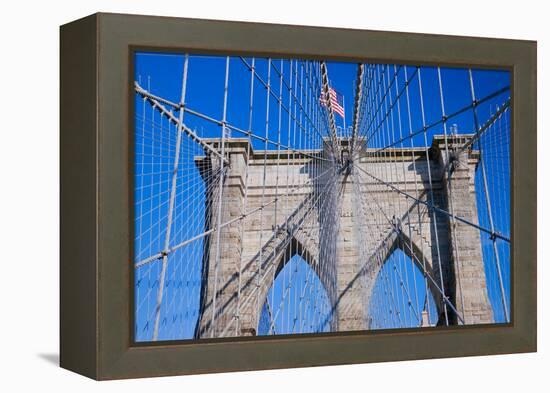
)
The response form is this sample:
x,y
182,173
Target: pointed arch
x,y
398,241
301,257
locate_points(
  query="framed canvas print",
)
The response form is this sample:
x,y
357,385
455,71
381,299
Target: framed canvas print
x,y
239,196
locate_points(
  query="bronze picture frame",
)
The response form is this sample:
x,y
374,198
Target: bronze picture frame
x,y
96,225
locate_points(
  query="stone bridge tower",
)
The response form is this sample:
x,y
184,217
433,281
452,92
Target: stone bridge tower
x,y
279,203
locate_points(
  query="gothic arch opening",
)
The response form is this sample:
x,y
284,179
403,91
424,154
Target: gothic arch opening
x,y
402,295
297,300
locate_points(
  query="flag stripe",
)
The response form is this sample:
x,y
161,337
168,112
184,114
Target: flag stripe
x,y
336,107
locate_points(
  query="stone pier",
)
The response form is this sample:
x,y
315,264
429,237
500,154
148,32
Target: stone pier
x,y
276,204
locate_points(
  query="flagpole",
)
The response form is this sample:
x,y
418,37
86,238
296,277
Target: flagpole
x,y
344,106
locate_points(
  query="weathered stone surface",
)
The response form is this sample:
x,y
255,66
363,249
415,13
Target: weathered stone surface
x,y
333,233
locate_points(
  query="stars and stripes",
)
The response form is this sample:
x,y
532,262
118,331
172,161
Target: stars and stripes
x,y
335,99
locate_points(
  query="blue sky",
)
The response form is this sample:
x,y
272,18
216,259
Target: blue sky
x,y
162,75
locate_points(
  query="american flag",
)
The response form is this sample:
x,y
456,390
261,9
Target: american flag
x,y
334,102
